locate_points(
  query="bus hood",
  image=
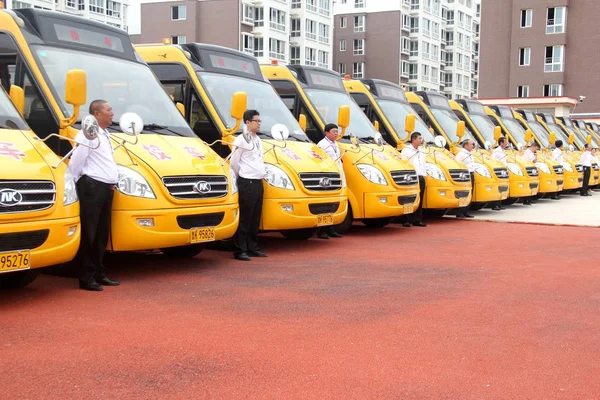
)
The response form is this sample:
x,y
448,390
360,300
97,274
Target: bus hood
x,y
298,156
386,157
442,158
20,159
171,155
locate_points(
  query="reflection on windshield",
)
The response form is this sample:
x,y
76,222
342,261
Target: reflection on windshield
x,y
448,121
328,104
485,126
9,116
560,134
515,129
261,97
125,85
578,139
396,113
539,131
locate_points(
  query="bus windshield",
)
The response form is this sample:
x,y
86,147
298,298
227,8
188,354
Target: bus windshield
x,y
396,113
515,129
9,116
558,131
448,121
261,97
327,103
580,142
127,86
540,133
484,126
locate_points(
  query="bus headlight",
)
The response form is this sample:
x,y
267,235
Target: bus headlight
x,y
70,194
277,177
134,184
514,168
435,172
234,187
543,167
482,170
373,174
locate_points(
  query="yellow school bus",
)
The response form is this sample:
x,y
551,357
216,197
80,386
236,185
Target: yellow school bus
x,y
583,136
304,188
386,104
381,185
39,211
174,193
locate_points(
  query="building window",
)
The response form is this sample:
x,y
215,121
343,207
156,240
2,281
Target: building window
x,y
323,59
359,47
182,39
324,33
70,3
554,59
414,24
525,56
294,55
259,16
413,71
96,6
554,90
248,14
526,18
247,43
277,49
258,47
523,91
359,3
113,9
406,22
343,22
311,29
177,12
296,4
358,70
310,56
311,5
414,48
359,23
277,21
343,45
405,71
406,45
324,7
555,21
295,24
342,69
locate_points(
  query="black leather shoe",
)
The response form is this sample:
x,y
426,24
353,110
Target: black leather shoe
x,y
335,235
496,208
257,254
469,216
502,208
460,216
323,236
92,287
407,224
527,203
241,256
421,224
554,198
107,282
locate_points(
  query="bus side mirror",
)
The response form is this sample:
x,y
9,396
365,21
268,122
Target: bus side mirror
x,y
181,108
460,130
302,122
552,138
75,94
376,125
343,118
588,139
409,123
571,138
497,133
239,102
17,95
528,136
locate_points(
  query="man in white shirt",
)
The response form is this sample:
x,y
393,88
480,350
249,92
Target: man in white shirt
x,y
586,161
419,161
464,156
330,146
95,172
248,165
531,155
557,153
499,154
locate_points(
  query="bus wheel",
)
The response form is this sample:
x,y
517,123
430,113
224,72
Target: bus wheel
x,y
376,222
183,251
510,201
344,227
299,234
18,279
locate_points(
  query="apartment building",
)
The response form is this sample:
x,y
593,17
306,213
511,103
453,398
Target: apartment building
x,y
420,44
538,49
290,31
111,12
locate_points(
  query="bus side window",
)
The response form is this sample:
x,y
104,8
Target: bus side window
x,y
175,90
203,126
312,130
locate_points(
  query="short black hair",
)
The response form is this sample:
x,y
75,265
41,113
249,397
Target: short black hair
x,y
501,140
558,144
329,127
587,145
465,142
534,144
96,105
414,136
249,114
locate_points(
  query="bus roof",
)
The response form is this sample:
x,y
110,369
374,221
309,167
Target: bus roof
x,y
213,58
385,90
65,30
318,78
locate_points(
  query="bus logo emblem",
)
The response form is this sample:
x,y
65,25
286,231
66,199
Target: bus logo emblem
x,y
10,197
202,187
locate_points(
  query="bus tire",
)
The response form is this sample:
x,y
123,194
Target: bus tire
x,y
344,227
18,279
298,234
376,222
189,251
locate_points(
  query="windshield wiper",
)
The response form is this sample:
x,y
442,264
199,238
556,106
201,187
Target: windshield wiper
x,y
155,127
115,126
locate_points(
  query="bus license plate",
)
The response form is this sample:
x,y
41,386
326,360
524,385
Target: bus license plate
x,y
408,209
463,202
324,219
199,235
13,261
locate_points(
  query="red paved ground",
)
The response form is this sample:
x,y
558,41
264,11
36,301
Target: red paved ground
x,y
457,310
